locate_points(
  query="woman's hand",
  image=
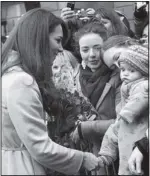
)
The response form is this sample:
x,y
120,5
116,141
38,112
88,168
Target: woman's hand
x,y
67,14
90,161
90,11
100,162
135,162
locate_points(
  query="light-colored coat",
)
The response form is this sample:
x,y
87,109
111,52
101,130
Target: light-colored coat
x,y
26,147
131,125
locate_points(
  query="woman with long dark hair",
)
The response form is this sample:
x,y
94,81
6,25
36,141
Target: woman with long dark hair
x,y
111,21
28,93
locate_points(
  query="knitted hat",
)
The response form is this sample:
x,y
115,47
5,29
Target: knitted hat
x,y
136,56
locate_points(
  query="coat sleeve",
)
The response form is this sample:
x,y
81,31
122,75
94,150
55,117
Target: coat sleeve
x,y
26,112
95,129
137,103
109,146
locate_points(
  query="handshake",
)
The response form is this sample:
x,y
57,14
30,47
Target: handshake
x,y
91,162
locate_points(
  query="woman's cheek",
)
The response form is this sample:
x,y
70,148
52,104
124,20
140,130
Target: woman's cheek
x,y
84,56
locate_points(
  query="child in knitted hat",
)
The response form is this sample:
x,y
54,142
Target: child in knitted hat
x,y
132,120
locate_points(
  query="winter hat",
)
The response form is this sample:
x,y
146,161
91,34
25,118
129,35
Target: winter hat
x,y
136,56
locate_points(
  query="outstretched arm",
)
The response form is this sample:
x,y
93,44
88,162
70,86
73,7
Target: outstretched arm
x,y
109,147
26,112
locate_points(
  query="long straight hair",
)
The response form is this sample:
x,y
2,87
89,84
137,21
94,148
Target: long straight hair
x,y
30,39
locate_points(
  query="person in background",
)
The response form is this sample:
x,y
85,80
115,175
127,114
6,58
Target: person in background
x,y
74,22
132,114
124,19
141,21
28,94
139,159
111,21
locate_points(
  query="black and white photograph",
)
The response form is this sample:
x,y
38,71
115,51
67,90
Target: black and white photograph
x,y
75,88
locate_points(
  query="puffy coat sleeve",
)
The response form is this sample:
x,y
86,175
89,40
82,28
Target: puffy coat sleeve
x,y
95,129
26,112
109,146
137,102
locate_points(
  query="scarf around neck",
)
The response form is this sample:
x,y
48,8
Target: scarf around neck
x,y
93,83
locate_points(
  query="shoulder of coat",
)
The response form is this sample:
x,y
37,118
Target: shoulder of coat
x,y
17,79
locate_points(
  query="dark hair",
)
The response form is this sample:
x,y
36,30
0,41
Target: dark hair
x,y
3,38
118,26
126,22
91,27
118,41
73,25
31,39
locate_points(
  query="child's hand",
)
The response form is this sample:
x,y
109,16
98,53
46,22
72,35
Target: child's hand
x,y
135,162
90,161
100,162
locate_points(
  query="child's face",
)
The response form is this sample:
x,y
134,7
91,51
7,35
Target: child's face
x,y
128,73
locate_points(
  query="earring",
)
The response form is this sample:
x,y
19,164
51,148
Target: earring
x,y
83,65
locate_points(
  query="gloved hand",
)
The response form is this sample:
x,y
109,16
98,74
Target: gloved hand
x,y
67,14
100,162
90,161
135,162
